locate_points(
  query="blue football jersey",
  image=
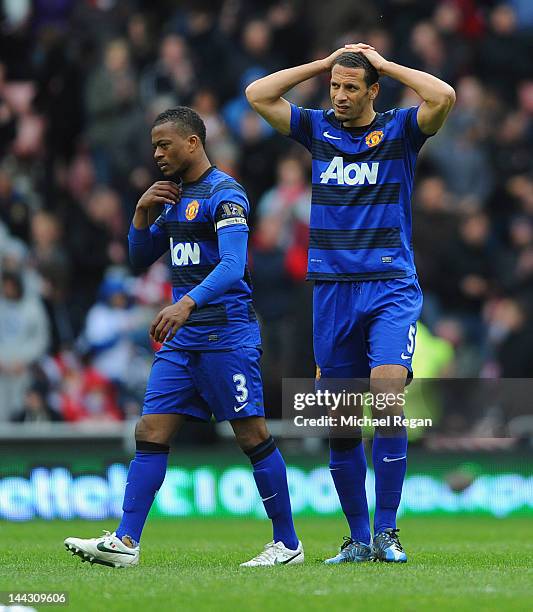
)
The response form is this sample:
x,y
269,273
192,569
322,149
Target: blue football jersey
x,y
360,227
214,201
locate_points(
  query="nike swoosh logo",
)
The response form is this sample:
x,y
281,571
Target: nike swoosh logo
x,y
276,562
239,408
102,548
267,498
389,460
328,135
403,356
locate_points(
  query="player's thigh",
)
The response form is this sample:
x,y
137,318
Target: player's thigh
x,y
230,383
339,340
391,329
171,388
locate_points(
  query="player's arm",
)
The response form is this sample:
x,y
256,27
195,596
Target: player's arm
x,y
438,97
265,95
232,246
147,242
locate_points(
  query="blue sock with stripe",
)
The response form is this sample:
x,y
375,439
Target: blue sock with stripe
x,y
389,454
145,477
348,469
270,476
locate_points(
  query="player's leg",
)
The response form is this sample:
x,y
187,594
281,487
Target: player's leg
x,y
389,457
270,475
146,473
340,353
391,345
231,384
170,395
347,464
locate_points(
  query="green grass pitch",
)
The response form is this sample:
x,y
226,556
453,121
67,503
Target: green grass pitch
x,y
455,563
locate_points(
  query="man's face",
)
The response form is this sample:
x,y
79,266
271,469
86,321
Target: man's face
x,y
173,152
349,93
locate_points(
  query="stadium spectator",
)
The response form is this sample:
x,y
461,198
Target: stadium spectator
x,y
51,262
14,209
470,263
289,200
171,76
36,408
113,114
85,394
23,341
109,332
7,116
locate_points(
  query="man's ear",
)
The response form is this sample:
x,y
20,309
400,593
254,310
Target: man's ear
x,y
373,91
194,142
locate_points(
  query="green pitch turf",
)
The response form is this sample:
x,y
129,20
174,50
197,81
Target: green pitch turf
x,y
192,564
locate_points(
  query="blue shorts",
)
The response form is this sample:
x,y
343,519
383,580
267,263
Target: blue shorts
x,y
358,326
226,384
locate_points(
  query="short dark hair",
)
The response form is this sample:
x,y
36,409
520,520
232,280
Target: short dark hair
x,y
358,60
185,119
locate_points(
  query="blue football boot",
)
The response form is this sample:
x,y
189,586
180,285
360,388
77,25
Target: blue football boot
x,y
387,547
352,552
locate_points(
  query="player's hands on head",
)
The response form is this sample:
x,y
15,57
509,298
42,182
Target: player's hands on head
x,y
377,60
330,59
171,318
161,192
354,48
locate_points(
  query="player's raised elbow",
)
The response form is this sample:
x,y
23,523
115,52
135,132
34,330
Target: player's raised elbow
x,y
252,94
447,96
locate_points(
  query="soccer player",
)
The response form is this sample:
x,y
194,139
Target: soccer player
x,y
366,297
209,361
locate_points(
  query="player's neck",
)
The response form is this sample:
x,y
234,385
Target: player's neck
x,y
195,171
365,118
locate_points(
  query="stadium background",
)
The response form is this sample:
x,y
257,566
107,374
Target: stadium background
x,y
80,83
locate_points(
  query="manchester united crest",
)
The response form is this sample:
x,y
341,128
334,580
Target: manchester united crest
x,y
192,210
374,138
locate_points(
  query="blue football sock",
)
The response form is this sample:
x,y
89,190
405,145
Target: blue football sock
x,y
145,477
348,470
270,477
389,454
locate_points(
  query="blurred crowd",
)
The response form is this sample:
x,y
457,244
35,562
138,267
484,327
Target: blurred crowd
x,y
82,80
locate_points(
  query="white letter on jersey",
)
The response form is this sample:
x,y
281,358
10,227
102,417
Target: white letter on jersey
x,y
335,170
184,253
370,174
352,174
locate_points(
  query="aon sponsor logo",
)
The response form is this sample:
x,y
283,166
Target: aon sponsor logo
x,y
184,253
351,174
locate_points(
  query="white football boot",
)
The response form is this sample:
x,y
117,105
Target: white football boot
x,y
106,550
277,554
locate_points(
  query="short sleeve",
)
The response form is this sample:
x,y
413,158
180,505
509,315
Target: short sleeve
x,y
414,135
302,125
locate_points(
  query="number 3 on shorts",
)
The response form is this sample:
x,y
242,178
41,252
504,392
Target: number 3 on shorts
x,y
242,391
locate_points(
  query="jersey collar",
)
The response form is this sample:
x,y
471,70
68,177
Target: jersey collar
x,y
355,131
201,178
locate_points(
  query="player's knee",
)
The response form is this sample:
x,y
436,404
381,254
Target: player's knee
x,y
345,444
251,434
147,431
250,440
